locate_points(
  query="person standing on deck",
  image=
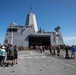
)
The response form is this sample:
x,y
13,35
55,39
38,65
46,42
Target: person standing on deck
x,y
15,54
3,55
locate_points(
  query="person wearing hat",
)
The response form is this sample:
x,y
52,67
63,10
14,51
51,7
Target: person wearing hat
x,y
3,55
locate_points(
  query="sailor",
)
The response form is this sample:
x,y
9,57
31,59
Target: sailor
x,y
58,50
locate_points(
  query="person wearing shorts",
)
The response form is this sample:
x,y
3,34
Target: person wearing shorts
x,y
10,56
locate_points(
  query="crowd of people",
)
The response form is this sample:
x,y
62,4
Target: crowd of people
x,y
72,49
52,49
55,50
11,52
8,55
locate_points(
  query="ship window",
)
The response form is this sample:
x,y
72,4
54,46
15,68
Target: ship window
x,y
6,33
6,41
9,30
15,26
12,30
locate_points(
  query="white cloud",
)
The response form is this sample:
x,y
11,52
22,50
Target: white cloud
x,y
69,38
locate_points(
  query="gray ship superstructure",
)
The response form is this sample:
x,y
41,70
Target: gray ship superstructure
x,y
29,35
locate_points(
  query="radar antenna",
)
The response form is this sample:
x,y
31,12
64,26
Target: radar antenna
x,y
57,28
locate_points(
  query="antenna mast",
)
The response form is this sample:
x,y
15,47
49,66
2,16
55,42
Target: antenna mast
x,y
30,9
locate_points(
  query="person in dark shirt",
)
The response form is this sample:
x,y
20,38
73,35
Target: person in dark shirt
x,y
66,50
15,54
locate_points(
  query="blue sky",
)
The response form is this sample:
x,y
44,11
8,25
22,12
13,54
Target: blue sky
x,y
49,14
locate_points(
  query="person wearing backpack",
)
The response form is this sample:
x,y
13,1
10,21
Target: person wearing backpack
x,y
10,55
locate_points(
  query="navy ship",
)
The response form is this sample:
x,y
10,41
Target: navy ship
x,y
30,35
